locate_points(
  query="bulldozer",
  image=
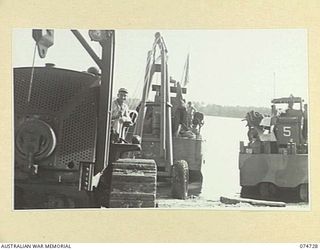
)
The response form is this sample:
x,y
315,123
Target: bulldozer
x,y
175,145
274,164
65,153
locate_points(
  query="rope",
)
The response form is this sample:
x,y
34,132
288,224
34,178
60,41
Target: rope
x,y
32,72
135,93
147,72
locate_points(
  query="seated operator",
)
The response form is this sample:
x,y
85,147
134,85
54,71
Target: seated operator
x,y
120,112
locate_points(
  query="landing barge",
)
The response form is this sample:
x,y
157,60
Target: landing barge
x,y
274,164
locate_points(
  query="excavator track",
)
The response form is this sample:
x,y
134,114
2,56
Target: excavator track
x,y
133,184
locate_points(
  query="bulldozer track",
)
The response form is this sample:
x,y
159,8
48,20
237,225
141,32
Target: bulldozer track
x,y
133,183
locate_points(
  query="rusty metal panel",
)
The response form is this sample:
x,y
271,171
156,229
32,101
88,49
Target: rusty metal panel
x,y
279,169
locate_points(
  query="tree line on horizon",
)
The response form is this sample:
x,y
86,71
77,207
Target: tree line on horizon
x,y
215,109
229,111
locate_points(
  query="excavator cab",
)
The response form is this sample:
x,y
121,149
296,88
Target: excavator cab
x,y
163,126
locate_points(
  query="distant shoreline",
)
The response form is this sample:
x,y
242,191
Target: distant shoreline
x,y
224,116
228,111
215,109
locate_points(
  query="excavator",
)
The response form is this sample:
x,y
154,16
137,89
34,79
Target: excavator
x,y
162,125
65,153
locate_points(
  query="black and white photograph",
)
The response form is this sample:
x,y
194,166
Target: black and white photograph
x,y
160,119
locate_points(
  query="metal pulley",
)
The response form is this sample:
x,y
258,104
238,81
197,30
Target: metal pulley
x,y
35,140
44,40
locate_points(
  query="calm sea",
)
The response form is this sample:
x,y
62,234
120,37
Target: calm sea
x,y
221,149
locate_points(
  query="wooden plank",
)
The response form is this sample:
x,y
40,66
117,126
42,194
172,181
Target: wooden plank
x,y
136,161
233,201
133,172
134,167
137,164
172,89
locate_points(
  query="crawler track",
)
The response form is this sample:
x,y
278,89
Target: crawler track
x,y
133,183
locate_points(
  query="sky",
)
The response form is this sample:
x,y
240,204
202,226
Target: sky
x,y
244,67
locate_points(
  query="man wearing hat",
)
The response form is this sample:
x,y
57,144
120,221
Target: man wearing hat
x,y
120,111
